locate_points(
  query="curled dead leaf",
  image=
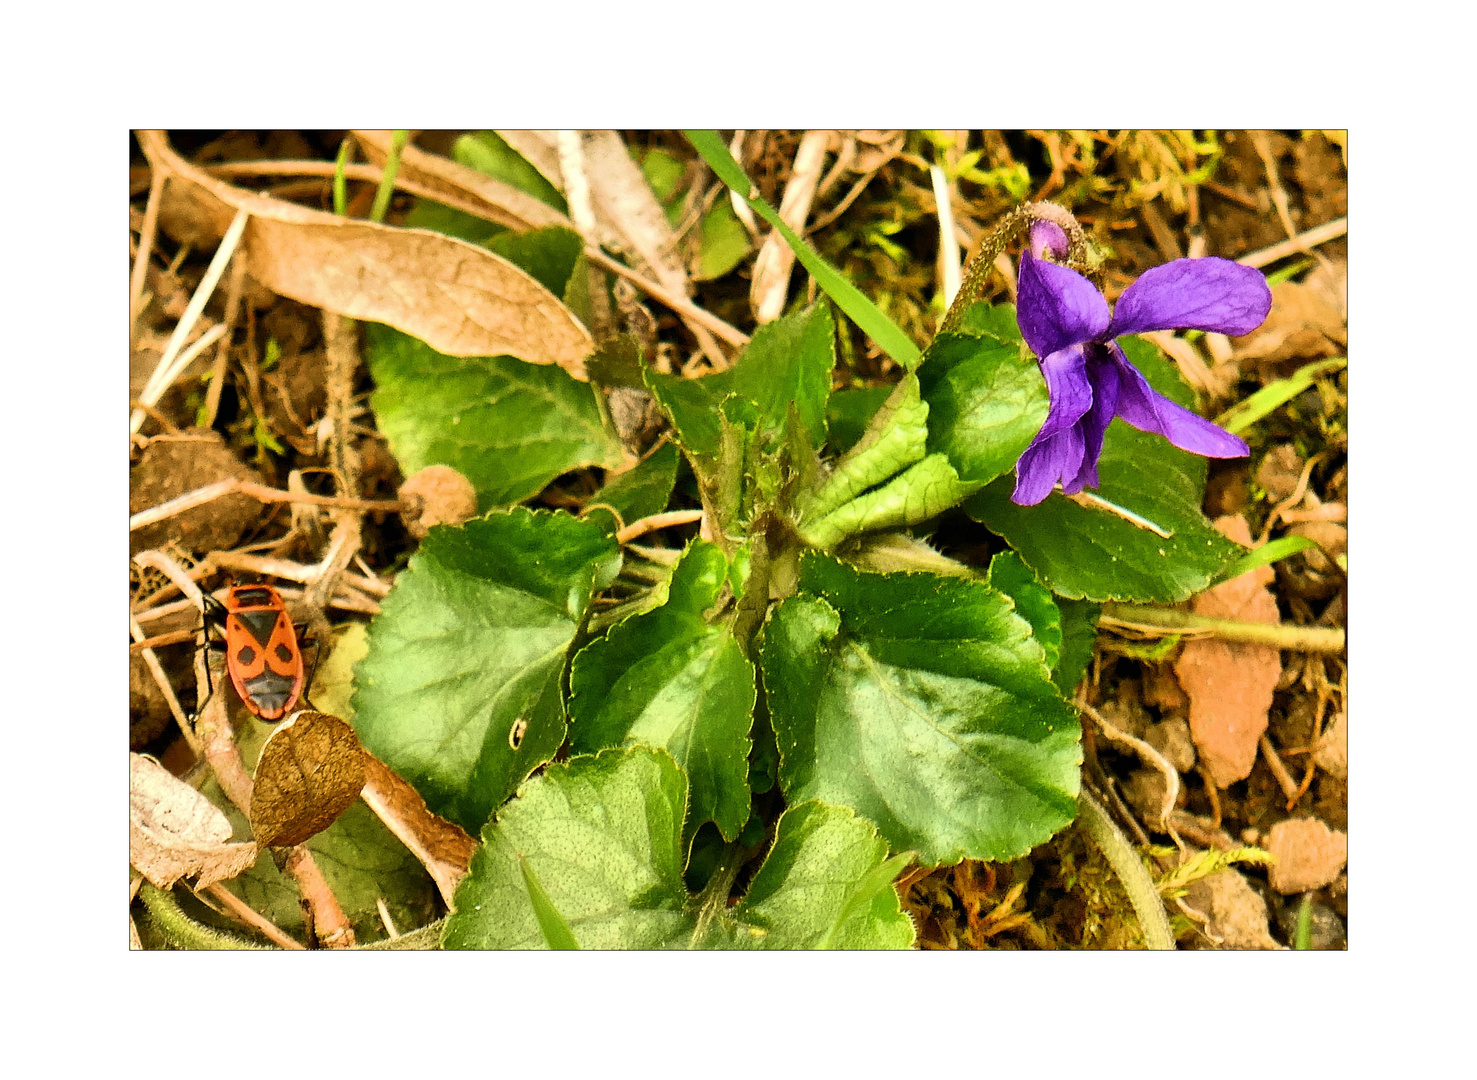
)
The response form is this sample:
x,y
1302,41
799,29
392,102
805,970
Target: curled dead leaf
x,y
500,202
459,298
310,771
444,849
175,832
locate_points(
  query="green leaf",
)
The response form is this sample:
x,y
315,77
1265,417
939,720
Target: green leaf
x,y
923,703
664,172
486,152
1274,395
788,360
644,490
925,490
362,862
460,692
887,334
985,394
723,241
826,884
546,255
895,438
507,426
849,411
1079,551
602,836
427,214
1032,602
670,679
1079,638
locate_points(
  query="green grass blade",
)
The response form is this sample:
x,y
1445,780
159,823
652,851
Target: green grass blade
x,y
387,178
555,930
1303,938
886,333
1270,552
1273,396
340,184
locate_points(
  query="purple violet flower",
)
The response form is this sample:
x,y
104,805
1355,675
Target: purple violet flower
x,y
1066,322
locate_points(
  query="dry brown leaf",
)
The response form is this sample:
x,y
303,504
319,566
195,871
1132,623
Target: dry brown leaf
x,y
1230,684
1307,320
442,847
175,832
458,298
776,259
624,202
500,202
310,771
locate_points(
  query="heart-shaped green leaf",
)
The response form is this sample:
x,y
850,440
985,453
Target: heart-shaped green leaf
x,y
459,692
1080,551
507,426
601,836
924,703
645,489
671,679
1032,602
788,361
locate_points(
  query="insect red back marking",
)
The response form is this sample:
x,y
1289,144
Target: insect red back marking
x,y
262,655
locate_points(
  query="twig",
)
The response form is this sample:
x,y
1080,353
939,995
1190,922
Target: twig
x,y
680,304
303,573
1095,502
175,638
261,924
840,208
1149,756
1289,636
1198,832
157,383
657,521
379,903
147,233
234,288
1293,499
157,671
948,237
1274,763
741,208
1321,234
260,492
1211,793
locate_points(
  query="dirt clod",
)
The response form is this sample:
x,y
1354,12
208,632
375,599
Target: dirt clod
x,y
1230,684
1238,915
171,467
1309,855
1172,739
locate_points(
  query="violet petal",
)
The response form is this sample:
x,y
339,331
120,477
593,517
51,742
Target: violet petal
x,y
1044,463
1148,410
1067,387
1102,373
1057,307
1194,294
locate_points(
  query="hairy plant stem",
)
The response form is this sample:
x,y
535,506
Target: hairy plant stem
x,y
1126,864
1011,225
179,929
1314,639
713,900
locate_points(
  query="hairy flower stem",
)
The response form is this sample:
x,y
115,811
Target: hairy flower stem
x,y
1314,639
179,929
1012,224
713,900
1130,870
